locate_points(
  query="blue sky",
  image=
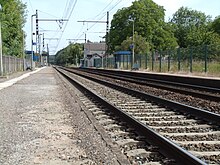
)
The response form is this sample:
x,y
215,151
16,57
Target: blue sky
x,y
92,10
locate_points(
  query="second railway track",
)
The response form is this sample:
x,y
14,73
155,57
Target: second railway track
x,y
203,92
199,137
198,99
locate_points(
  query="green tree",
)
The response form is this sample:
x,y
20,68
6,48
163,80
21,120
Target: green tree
x,y
149,22
215,25
140,44
61,57
75,53
191,27
13,18
70,55
164,37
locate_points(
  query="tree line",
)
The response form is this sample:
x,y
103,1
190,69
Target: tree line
x,y
146,19
12,18
70,55
187,28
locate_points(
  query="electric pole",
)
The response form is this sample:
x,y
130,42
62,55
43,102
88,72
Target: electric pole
x,y
47,54
60,21
107,28
41,57
107,39
37,31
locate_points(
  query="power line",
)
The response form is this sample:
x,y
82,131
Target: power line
x,y
80,31
31,6
92,26
47,13
96,23
109,9
119,1
68,9
65,8
74,4
124,4
102,11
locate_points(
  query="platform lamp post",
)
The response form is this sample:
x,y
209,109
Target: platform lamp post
x,y
132,20
1,60
133,43
32,53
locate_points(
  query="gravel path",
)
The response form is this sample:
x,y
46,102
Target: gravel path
x,y
41,124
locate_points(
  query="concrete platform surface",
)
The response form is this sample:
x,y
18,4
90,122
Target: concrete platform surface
x,y
41,123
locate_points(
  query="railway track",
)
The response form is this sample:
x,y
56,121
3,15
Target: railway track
x,y
134,146
174,94
197,136
203,92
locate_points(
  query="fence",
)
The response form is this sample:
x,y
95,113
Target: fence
x,y
201,59
13,64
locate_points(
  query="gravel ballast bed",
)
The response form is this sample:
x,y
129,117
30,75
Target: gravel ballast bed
x,y
41,124
181,98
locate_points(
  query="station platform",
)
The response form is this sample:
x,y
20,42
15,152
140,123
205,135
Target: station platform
x,y
41,122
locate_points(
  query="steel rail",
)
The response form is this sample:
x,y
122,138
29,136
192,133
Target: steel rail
x,y
142,77
166,147
196,112
138,80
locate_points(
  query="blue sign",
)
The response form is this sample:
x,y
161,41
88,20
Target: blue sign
x,y
122,53
29,52
35,58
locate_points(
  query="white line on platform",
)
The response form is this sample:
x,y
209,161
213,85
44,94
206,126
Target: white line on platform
x,y
13,81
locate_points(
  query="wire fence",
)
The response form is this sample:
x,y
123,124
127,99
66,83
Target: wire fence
x,y
12,64
201,59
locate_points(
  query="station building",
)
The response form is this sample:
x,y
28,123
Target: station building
x,y
92,52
